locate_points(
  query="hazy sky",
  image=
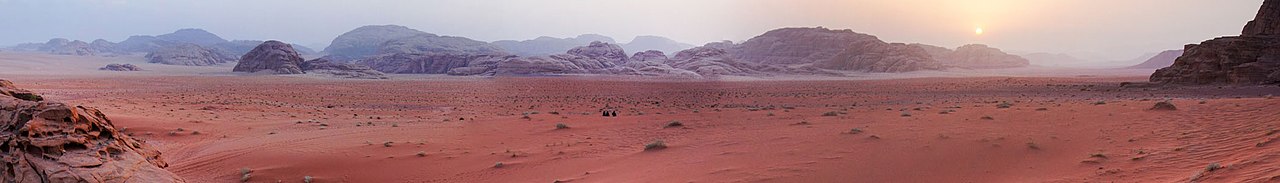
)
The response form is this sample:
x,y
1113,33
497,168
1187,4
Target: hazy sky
x,y
1118,29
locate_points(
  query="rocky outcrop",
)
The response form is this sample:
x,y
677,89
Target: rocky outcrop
x,y
875,56
143,44
121,67
62,46
601,51
272,56
1162,60
340,70
193,36
974,56
188,55
655,43
544,46
1252,58
649,56
47,141
365,41
241,47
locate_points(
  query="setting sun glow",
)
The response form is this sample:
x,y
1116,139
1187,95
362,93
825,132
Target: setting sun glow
x,y
978,31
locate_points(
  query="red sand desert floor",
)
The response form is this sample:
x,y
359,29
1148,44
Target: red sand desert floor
x,y
911,130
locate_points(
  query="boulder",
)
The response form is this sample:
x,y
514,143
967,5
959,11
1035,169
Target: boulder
x,y
649,56
1250,59
601,51
189,55
271,56
121,67
46,141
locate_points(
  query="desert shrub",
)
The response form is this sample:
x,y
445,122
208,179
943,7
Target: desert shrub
x,y
855,131
831,113
674,124
560,126
1003,105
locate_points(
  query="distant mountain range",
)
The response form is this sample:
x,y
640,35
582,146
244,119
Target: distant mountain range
x,y
543,46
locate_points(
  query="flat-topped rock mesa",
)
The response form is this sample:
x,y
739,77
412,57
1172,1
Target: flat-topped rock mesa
x,y
271,56
48,141
544,46
189,55
1161,60
974,56
1249,59
60,46
120,67
365,41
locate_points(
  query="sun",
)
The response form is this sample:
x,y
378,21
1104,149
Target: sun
x,y
978,31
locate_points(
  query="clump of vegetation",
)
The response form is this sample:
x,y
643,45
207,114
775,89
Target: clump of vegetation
x,y
387,144
673,124
1004,105
499,165
906,114
561,126
1033,146
1100,102
422,154
245,174
1212,167
855,131
1098,155
831,113
655,145
988,118
306,179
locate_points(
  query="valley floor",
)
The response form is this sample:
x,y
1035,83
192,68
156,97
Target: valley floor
x,y
1057,129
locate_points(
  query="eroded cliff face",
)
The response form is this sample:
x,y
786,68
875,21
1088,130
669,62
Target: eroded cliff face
x,y
46,141
1250,59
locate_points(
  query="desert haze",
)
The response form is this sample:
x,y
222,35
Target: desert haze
x,y
418,100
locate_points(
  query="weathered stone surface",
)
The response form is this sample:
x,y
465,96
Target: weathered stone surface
x,y
875,56
271,56
601,51
189,55
62,46
365,41
193,36
47,141
422,63
120,67
433,44
830,49
1253,58
1266,22
649,56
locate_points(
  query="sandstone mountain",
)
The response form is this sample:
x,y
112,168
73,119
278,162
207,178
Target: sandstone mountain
x,y
1162,60
974,56
1247,59
188,54
48,141
365,41
271,56
543,46
193,36
831,49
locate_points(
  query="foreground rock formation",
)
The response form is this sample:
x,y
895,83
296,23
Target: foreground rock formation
x,y
47,141
120,67
1247,59
832,49
277,57
189,55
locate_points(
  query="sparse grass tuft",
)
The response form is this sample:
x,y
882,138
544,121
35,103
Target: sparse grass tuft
x,y
561,126
306,179
988,118
422,154
499,165
855,131
387,144
1033,146
1004,105
831,113
245,174
655,145
1100,102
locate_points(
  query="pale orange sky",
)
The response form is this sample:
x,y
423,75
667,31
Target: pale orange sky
x,y
1115,29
